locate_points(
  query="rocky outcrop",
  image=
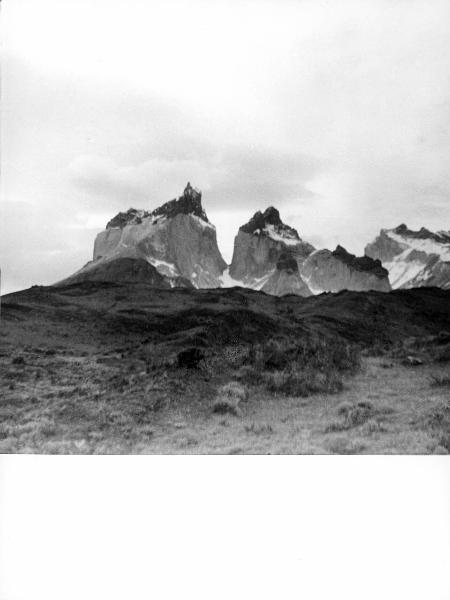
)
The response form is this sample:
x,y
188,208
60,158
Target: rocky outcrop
x,y
258,248
286,279
125,270
413,258
177,239
326,271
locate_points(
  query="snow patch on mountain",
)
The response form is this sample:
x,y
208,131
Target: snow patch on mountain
x,y
281,235
429,246
413,258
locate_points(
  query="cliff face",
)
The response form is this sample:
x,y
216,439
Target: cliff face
x,y
326,271
286,279
413,258
258,247
176,238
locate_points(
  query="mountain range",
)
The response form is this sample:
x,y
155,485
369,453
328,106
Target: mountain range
x,y
175,245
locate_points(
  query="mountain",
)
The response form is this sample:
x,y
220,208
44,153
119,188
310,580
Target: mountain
x,y
177,239
413,258
126,270
286,279
326,271
266,256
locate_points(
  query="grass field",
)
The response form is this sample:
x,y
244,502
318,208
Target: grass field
x,y
79,404
79,374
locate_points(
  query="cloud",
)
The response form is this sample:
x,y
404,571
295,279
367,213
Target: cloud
x,y
232,177
337,116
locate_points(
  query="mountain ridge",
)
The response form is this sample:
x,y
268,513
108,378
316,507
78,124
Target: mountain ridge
x,y
413,258
180,243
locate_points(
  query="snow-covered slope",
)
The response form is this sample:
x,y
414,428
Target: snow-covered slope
x,y
413,258
177,239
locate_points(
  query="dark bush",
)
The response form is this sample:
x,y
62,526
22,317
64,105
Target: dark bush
x,y
190,358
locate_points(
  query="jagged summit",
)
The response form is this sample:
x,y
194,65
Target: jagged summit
x,y
267,254
176,239
269,222
423,234
360,263
131,217
326,271
190,203
413,258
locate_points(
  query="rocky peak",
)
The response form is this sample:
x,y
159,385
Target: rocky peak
x,y
190,203
360,263
131,217
423,234
269,220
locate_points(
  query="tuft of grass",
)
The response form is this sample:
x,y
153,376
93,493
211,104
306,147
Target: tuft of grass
x,y
440,381
228,398
442,354
343,445
303,383
234,390
373,426
351,415
438,417
262,429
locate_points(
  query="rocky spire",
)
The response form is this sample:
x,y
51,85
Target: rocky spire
x,y
190,203
270,216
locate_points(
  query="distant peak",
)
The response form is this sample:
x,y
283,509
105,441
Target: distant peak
x,y
131,217
360,263
259,223
422,234
191,192
190,203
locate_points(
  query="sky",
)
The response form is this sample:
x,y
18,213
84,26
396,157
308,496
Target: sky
x,y
337,113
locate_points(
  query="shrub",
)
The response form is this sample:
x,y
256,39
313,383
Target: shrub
x,y
224,406
320,354
233,390
299,369
440,381
303,383
249,375
373,426
351,415
190,358
228,398
443,355
263,429
342,445
438,416
444,441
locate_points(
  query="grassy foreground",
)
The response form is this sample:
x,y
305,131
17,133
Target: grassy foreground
x,y
103,368
66,402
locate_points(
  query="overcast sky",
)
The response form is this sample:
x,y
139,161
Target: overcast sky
x,y
337,113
